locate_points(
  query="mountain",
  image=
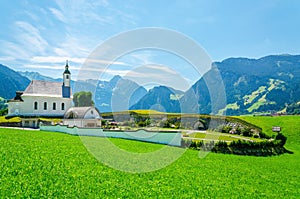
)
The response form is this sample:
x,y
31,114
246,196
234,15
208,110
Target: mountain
x,y
37,76
10,82
265,85
77,86
108,95
117,94
268,84
158,96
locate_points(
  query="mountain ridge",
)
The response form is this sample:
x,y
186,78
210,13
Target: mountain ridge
x,y
267,84
10,82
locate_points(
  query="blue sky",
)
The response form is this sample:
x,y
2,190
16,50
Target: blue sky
x,y
41,35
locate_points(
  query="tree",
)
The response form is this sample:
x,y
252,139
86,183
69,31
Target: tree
x,y
83,98
3,112
3,105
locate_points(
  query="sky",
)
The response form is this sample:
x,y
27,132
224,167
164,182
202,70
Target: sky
x,y
40,36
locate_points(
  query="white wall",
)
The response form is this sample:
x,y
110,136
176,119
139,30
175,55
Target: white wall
x,y
82,122
27,106
170,138
30,122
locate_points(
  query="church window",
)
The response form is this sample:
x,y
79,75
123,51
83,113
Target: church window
x,y
62,106
35,106
45,105
54,106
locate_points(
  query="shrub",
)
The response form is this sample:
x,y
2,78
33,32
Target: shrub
x,y
281,138
263,135
226,129
238,130
247,132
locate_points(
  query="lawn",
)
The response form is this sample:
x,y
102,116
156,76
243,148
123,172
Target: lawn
x,y
220,136
38,164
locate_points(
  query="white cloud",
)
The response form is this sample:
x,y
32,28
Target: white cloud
x,y
105,62
56,59
72,47
14,50
141,57
39,42
29,37
157,75
41,66
161,69
31,15
58,14
83,11
7,58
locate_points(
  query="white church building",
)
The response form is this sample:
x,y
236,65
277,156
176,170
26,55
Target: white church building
x,y
42,99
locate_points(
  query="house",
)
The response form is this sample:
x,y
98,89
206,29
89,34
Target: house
x,y
86,117
42,99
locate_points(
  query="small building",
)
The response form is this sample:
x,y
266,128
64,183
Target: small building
x,y
42,99
87,117
276,129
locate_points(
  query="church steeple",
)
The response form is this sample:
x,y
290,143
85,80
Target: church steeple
x,y
67,68
66,87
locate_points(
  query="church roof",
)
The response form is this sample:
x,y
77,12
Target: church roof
x,y
78,112
67,68
38,87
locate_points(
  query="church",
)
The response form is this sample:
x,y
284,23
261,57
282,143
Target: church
x,y
42,99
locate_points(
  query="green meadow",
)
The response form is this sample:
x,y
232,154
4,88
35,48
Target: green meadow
x,y
36,164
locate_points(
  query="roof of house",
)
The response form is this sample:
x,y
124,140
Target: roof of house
x,y
38,87
78,112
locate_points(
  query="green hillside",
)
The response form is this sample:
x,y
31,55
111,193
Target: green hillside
x,y
10,82
252,86
38,164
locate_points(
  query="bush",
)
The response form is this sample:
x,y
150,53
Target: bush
x,y
263,135
247,132
226,129
238,130
281,138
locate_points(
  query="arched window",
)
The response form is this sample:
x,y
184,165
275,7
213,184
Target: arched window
x,y
35,106
45,105
62,106
54,106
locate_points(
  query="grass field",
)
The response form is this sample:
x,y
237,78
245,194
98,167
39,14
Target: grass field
x,y
220,136
53,165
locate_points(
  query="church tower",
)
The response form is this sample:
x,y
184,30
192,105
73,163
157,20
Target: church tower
x,y
66,87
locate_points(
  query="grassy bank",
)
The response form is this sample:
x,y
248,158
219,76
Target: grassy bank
x,y
47,165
